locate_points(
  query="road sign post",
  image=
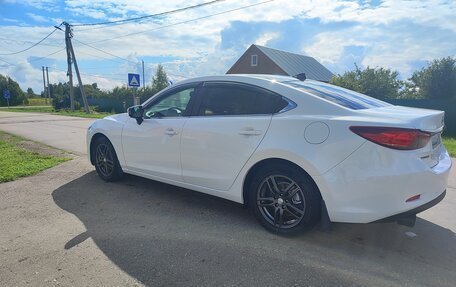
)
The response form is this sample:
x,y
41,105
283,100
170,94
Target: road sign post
x,y
7,96
134,81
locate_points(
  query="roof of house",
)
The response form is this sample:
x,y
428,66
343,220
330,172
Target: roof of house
x,y
294,64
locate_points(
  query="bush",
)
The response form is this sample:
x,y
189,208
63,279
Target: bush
x,y
63,103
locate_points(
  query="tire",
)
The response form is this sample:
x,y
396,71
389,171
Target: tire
x,y
106,162
284,199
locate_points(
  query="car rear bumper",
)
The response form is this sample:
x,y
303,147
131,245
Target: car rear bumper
x,y
373,185
412,213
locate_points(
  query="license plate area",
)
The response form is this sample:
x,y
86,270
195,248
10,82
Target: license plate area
x,y
436,142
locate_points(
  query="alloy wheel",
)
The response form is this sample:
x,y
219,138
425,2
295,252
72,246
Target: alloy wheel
x,y
281,201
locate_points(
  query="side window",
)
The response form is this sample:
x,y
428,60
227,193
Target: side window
x,y
225,100
172,105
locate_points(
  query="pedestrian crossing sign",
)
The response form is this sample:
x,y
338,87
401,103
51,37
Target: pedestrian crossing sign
x,y
133,80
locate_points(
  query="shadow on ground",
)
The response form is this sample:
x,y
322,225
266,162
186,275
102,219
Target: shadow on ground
x,y
164,235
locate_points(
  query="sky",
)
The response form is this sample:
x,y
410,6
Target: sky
x,y
399,35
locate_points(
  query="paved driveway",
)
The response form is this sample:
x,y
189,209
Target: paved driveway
x,y
67,133
67,227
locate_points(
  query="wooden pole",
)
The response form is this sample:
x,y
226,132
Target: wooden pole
x,y
81,87
70,72
44,85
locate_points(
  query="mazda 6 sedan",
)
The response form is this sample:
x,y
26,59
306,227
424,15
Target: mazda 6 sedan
x,y
294,151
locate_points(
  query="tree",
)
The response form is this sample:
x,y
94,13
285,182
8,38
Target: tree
x,y
435,81
160,80
30,93
17,95
375,82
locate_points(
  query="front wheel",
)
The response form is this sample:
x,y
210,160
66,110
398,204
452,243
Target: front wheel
x,y
284,199
106,162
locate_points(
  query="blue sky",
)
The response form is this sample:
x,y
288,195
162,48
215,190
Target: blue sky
x,y
400,35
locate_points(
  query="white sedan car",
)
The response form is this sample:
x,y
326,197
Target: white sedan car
x,y
294,151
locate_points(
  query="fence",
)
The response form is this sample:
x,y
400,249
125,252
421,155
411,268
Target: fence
x,y
449,106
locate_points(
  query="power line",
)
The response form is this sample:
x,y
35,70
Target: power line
x,y
182,22
101,57
7,62
22,42
108,53
149,16
90,75
34,45
41,58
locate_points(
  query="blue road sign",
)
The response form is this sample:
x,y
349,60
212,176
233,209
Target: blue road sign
x,y
6,94
133,80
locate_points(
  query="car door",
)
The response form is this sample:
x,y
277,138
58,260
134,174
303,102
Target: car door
x,y
230,121
152,147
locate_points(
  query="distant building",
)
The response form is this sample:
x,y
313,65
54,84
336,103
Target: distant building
x,y
263,60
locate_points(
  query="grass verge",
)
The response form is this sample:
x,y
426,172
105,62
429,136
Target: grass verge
x,y
450,144
49,109
20,157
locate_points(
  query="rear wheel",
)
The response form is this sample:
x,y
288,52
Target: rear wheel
x,y
106,162
284,199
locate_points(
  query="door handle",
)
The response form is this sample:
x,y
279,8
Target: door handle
x,y
171,132
250,132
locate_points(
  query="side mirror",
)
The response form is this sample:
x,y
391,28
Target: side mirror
x,y
137,113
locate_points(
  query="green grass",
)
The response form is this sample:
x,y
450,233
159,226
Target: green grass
x,y
450,144
39,102
49,109
31,109
16,162
82,114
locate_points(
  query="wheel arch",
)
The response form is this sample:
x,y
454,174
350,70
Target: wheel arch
x,y
270,161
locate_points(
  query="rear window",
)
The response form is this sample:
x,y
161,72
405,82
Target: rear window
x,y
338,95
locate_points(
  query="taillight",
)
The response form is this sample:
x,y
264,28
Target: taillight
x,y
395,138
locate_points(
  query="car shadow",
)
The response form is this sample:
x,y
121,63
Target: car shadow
x,y
165,235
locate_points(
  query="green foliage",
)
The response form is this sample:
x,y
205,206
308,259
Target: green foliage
x,y
39,102
18,97
435,81
450,144
63,103
375,82
160,80
30,93
17,162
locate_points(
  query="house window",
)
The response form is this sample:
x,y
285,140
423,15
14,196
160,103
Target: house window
x,y
254,60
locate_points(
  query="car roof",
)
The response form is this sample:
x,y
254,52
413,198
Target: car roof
x,y
238,77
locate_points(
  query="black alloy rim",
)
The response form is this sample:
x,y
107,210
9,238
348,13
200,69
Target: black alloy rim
x,y
105,160
281,201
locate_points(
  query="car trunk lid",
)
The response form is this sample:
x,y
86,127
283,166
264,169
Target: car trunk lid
x,y
426,120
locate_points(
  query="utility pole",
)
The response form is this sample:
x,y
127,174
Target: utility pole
x,y
71,58
144,79
49,85
70,71
44,85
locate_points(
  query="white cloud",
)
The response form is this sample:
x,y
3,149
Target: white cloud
x,y
266,37
37,18
197,44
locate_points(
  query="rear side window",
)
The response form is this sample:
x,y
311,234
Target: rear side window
x,y
231,99
338,95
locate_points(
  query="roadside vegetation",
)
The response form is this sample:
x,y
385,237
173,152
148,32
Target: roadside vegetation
x,y
51,110
20,157
450,144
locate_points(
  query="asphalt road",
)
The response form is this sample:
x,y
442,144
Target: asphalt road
x,y
66,227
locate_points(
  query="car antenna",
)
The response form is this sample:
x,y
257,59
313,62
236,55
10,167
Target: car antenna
x,y
301,76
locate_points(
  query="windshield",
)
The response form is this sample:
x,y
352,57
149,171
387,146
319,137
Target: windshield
x,y
335,94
